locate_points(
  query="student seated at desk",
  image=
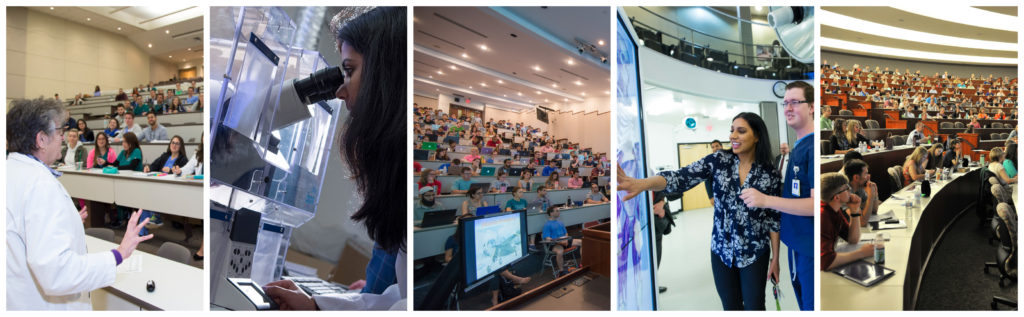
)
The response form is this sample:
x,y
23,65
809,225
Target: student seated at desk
x,y
856,171
555,230
552,167
101,153
840,219
475,201
913,166
174,157
194,165
575,182
995,165
500,184
461,186
1010,160
428,178
453,168
506,166
425,203
84,133
934,157
517,202
441,154
525,180
552,181
113,129
542,197
474,154
130,157
532,167
73,152
954,157
477,165
595,196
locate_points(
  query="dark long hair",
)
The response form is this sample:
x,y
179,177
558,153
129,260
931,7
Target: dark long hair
x,y
375,137
181,149
763,149
133,143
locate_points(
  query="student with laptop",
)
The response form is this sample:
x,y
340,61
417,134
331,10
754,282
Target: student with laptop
x,y
595,196
500,184
840,219
506,166
526,180
552,167
425,203
542,198
475,201
462,185
552,182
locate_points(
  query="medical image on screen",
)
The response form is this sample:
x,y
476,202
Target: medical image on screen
x,y
498,243
635,260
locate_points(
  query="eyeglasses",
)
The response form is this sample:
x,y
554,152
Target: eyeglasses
x,y
793,103
176,143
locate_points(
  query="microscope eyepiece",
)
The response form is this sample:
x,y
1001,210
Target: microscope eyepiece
x,y
320,85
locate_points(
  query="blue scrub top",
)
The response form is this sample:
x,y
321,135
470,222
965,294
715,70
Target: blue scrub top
x,y
798,231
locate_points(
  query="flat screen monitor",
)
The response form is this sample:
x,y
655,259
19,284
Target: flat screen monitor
x,y
491,243
637,289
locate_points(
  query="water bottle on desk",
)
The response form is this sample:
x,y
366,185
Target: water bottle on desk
x,y
879,249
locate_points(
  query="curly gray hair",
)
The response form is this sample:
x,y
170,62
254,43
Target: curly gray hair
x,y
27,117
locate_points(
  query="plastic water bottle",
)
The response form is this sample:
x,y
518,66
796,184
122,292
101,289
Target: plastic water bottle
x,y
879,249
917,196
568,201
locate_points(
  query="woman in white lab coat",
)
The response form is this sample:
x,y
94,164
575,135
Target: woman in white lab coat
x,y
373,50
48,267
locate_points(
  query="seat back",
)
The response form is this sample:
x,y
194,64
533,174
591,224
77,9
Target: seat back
x,y
102,233
826,147
994,136
844,112
1004,136
872,124
174,252
997,125
946,125
895,180
959,125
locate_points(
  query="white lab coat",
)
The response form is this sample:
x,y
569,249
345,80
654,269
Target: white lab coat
x,y
48,267
393,298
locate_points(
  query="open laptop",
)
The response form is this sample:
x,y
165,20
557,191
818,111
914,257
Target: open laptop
x,y
429,146
483,211
436,218
515,171
504,152
420,155
483,187
486,150
487,171
534,207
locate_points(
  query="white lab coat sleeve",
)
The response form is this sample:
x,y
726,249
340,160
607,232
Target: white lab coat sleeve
x,y
51,223
191,167
393,298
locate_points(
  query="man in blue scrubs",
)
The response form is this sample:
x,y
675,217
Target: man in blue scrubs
x,y
796,203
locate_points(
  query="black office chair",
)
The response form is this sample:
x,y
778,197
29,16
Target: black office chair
x,y
444,292
826,147
895,179
872,124
946,125
959,125
1006,253
1004,136
844,112
994,136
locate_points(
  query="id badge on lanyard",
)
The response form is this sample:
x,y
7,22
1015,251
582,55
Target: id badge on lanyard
x,y
796,181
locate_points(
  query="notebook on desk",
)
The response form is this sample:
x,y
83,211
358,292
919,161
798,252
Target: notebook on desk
x,y
865,273
888,224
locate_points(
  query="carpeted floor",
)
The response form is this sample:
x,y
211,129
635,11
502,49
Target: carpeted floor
x,y
955,279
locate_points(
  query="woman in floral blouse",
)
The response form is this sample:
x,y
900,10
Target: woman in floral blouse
x,y
742,237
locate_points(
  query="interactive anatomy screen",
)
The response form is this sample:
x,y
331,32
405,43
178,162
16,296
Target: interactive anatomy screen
x,y
492,243
637,288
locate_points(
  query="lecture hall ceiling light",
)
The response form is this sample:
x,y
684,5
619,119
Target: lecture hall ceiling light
x,y
966,15
863,26
911,54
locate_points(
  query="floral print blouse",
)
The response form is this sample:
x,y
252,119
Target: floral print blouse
x,y
740,233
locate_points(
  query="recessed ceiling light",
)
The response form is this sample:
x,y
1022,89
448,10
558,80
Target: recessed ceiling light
x,y
483,84
520,93
504,95
536,68
545,100
500,81
554,85
167,31
452,67
583,94
600,42
470,87
119,28
190,49
570,62
440,72
538,92
150,45
566,99
579,83
483,47
51,8
88,19
464,55
170,56
431,76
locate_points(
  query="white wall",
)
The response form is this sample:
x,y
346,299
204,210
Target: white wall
x,y
47,55
706,86
160,70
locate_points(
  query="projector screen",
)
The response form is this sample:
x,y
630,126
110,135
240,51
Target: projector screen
x,y
637,287
542,115
492,243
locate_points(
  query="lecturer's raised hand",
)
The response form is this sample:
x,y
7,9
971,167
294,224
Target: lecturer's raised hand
x,y
632,186
131,235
